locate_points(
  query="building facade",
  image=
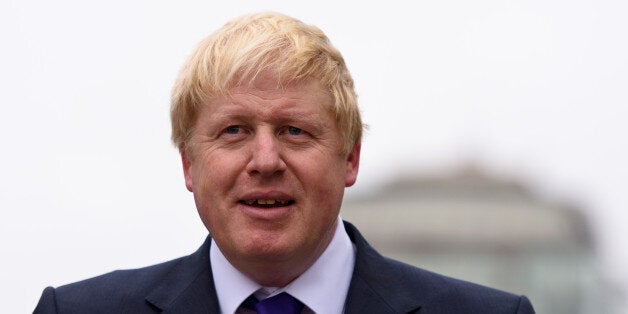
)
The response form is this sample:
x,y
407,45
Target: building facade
x,y
490,231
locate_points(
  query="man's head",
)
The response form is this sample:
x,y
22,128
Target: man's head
x,y
266,120
245,47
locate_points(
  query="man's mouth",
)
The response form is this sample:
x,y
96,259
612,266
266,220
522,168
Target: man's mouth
x,y
267,203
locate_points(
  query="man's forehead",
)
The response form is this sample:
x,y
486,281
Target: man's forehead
x,y
284,105
268,93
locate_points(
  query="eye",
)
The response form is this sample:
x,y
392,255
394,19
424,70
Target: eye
x,y
294,131
233,129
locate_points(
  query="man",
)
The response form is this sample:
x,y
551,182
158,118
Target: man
x,y
266,119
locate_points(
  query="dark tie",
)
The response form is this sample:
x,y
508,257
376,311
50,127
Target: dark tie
x,y
282,303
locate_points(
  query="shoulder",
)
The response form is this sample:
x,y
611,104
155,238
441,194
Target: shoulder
x,y
405,288
122,291
121,282
115,291
440,293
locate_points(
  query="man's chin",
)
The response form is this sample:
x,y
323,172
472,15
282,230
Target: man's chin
x,y
271,251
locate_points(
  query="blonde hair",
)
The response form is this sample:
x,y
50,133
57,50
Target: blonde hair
x,y
247,46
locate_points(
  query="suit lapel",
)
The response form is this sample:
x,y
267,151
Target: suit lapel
x,y
188,287
363,299
375,285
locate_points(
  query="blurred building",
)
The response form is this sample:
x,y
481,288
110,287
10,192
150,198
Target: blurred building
x,y
490,231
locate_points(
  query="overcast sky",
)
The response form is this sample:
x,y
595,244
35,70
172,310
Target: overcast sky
x,y
89,182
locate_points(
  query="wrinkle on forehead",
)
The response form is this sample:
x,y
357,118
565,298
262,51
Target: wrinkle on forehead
x,y
264,92
267,109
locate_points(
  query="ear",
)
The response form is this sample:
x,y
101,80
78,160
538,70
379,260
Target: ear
x,y
185,161
353,164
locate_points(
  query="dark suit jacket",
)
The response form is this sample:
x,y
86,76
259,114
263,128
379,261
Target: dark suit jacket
x,y
185,285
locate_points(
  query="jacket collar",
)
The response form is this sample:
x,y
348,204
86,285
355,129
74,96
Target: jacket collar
x,y
188,287
377,285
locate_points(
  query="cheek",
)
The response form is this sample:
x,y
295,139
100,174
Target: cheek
x,y
212,187
217,171
214,180
324,177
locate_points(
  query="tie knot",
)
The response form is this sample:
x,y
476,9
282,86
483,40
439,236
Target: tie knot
x,y
282,303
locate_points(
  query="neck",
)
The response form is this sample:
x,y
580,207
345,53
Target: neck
x,y
279,273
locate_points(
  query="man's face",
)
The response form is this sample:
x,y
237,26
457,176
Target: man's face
x,y
267,174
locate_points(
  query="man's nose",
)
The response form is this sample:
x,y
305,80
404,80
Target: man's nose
x,y
266,158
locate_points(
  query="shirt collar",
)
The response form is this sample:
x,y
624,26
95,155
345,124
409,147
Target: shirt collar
x,y
232,287
323,287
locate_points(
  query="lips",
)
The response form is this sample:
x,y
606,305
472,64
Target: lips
x,y
267,203
267,200
272,207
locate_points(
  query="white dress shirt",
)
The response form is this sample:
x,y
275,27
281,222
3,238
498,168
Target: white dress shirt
x,y
322,288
